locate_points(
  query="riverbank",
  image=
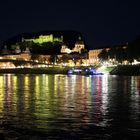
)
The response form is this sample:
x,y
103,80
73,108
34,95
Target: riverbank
x,y
117,70
54,70
49,70
126,70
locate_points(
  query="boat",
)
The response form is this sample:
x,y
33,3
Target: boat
x,y
84,71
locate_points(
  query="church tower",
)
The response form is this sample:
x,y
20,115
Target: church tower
x,y
79,45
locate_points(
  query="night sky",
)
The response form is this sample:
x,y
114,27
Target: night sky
x,y
102,22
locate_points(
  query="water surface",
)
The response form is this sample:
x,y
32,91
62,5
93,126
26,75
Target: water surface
x,y
69,107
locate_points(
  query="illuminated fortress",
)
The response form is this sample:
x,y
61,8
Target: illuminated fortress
x,y
44,38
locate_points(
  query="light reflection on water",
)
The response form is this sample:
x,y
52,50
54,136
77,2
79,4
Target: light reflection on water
x,y
61,106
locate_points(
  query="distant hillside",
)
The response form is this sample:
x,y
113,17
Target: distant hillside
x,y
69,37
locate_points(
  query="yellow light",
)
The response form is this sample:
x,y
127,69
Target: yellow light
x,y
26,93
1,93
37,86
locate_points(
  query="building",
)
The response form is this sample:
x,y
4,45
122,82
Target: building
x,y
93,56
43,39
65,49
79,45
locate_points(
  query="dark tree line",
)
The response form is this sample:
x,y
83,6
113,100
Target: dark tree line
x,y
121,53
36,48
45,48
134,49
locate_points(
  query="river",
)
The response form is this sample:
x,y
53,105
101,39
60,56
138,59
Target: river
x,y
40,107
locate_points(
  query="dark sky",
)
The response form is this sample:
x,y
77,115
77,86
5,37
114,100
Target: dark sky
x,y
102,22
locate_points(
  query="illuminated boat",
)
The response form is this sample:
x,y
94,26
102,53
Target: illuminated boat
x,y
75,71
85,71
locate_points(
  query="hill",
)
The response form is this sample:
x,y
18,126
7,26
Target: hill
x,y
69,37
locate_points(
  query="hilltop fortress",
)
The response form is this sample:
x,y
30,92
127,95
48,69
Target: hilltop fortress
x,y
44,38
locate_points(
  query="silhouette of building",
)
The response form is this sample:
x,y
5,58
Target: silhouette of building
x,y
79,45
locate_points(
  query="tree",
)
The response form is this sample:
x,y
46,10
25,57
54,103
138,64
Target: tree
x,y
53,59
134,49
103,55
35,57
112,52
121,54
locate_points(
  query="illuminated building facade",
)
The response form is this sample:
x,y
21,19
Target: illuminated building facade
x,y
65,49
110,54
79,45
44,38
93,56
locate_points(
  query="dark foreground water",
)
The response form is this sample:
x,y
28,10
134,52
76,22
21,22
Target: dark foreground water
x,y
39,107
